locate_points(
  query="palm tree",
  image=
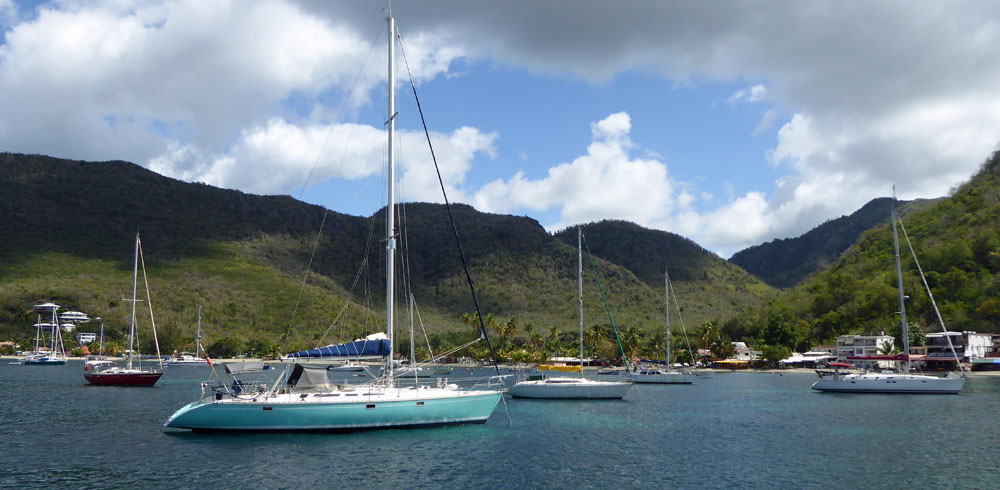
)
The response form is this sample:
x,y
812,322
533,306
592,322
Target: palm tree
x,y
631,336
592,338
655,347
722,347
887,348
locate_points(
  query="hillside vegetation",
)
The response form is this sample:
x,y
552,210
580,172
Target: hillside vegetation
x,y
706,285
785,262
957,241
69,229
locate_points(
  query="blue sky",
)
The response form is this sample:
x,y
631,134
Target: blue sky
x,y
730,123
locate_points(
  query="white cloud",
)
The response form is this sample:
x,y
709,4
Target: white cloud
x,y
752,94
766,121
229,93
277,157
606,182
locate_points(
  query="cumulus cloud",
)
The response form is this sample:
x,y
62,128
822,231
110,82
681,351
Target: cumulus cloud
x,y
606,182
226,92
277,156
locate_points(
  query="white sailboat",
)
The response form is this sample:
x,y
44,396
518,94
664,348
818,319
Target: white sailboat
x,y
55,354
186,358
566,387
307,401
664,374
902,382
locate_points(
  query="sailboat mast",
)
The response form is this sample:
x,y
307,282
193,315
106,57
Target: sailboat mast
x,y
579,280
38,333
54,349
135,279
390,209
666,302
197,338
899,279
413,355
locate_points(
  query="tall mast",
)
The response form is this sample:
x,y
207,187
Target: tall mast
x,y
135,279
899,279
666,301
390,210
579,276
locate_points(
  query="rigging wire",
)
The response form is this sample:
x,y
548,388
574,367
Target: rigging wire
x,y
606,307
451,216
326,211
149,303
677,306
944,329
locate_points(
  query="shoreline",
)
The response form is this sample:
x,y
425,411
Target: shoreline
x,y
513,366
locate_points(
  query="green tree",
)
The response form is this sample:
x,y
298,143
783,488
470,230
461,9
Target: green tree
x,y
226,347
775,353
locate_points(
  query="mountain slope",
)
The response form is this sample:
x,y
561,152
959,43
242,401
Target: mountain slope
x,y
69,226
707,285
786,262
956,240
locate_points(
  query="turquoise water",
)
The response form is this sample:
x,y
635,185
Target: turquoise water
x,y
744,430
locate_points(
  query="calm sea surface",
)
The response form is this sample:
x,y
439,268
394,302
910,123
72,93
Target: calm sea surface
x,y
744,430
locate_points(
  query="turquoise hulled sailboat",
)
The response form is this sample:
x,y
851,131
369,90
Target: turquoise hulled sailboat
x,y
303,399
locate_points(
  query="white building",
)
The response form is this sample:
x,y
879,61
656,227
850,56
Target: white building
x,y
744,353
968,345
85,338
861,345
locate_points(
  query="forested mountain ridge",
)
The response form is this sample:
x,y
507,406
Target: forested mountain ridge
x,y
69,228
704,282
785,262
957,242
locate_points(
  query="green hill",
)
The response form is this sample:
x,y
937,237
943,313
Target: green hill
x,y
69,227
957,241
707,286
785,262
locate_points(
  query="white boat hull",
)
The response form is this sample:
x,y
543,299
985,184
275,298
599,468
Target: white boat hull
x,y
664,377
570,388
888,383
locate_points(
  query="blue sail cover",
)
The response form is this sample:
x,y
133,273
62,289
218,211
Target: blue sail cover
x,y
371,347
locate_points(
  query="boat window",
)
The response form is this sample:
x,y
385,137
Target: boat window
x,y
370,406
420,404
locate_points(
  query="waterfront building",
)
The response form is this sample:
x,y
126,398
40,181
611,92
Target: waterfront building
x,y
85,337
861,345
968,345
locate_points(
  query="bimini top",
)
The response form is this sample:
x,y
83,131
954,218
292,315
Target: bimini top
x,y
244,366
375,345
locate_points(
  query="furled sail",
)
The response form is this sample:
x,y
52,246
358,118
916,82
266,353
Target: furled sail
x,y
375,345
